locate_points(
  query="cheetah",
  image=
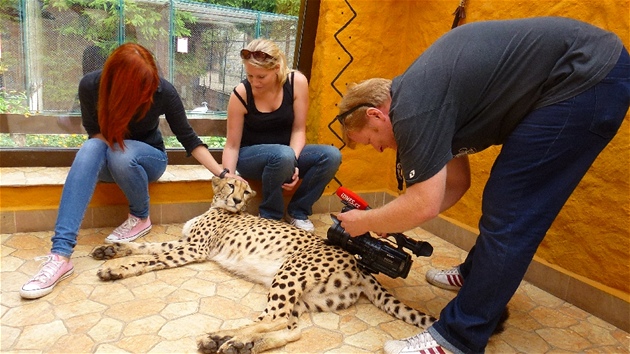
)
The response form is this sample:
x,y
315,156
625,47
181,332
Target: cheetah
x,y
302,272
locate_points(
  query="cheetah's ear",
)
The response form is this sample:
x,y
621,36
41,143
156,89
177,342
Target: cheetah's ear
x,y
215,182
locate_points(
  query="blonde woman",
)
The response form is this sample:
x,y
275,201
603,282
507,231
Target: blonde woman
x,y
266,136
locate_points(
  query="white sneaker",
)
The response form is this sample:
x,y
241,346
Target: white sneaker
x,y
422,343
305,225
449,279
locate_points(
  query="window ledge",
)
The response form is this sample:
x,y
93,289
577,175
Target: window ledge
x,y
42,176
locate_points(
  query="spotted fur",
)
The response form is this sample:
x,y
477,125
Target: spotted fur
x,y
302,272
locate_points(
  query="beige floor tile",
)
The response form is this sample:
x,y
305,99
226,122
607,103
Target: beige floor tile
x,y
166,311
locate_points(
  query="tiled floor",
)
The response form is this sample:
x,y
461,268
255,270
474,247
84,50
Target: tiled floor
x,y
164,312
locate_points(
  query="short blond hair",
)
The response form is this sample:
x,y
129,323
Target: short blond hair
x,y
269,47
370,93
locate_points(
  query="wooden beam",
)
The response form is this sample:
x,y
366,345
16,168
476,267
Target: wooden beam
x,y
55,157
204,125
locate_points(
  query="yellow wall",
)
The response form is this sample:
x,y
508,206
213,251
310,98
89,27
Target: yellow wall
x,y
591,236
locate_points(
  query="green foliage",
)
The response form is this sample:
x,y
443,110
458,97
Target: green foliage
x,y
42,140
58,68
288,7
211,141
99,21
212,43
9,11
7,141
10,15
181,20
49,140
285,7
12,101
104,24
76,140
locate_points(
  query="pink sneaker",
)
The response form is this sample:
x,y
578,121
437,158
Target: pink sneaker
x,y
52,271
130,230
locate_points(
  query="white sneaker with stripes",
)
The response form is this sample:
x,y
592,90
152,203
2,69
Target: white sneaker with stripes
x,y
449,279
422,343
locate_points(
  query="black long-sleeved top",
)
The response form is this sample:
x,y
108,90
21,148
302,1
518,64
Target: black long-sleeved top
x,y
166,101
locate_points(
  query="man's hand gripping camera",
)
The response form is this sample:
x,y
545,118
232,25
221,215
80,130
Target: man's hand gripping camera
x,y
376,255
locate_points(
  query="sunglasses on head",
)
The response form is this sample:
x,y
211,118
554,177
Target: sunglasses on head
x,y
342,117
258,55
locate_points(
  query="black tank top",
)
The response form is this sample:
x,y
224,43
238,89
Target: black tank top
x,y
268,128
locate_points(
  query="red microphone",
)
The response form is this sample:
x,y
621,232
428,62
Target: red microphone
x,y
351,199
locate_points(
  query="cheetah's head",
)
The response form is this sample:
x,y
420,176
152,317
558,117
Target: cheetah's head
x,y
231,194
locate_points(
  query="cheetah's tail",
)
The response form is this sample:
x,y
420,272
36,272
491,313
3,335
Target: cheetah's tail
x,y
387,302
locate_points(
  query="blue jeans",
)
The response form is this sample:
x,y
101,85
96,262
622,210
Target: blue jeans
x,y
274,164
539,166
132,169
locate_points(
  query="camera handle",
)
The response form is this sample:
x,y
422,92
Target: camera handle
x,y
419,248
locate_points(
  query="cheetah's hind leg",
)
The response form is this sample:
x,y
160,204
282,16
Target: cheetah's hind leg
x,y
275,327
254,338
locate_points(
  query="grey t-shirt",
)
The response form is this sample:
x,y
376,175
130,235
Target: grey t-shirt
x,y
471,88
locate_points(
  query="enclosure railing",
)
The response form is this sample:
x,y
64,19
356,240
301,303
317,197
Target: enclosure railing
x,y
46,46
62,128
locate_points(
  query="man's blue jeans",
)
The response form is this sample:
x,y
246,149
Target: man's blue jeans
x,y
132,169
274,164
538,168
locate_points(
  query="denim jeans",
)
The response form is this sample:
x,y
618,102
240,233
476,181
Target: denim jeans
x,y
539,166
132,169
274,164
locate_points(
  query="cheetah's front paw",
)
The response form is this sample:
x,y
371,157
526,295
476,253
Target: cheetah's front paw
x,y
115,250
236,347
211,343
108,274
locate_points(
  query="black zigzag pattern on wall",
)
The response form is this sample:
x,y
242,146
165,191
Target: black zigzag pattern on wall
x,y
458,15
351,59
332,83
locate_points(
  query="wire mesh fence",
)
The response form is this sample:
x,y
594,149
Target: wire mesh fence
x,y
46,46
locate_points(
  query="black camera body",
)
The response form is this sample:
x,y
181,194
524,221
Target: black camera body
x,y
378,255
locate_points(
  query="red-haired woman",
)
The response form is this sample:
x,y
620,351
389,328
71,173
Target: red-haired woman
x,y
120,109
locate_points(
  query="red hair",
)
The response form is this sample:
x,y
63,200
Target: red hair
x,y
128,82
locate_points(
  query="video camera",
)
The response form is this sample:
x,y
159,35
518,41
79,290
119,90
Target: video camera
x,y
375,255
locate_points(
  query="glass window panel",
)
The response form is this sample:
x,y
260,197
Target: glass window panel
x,y
46,46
